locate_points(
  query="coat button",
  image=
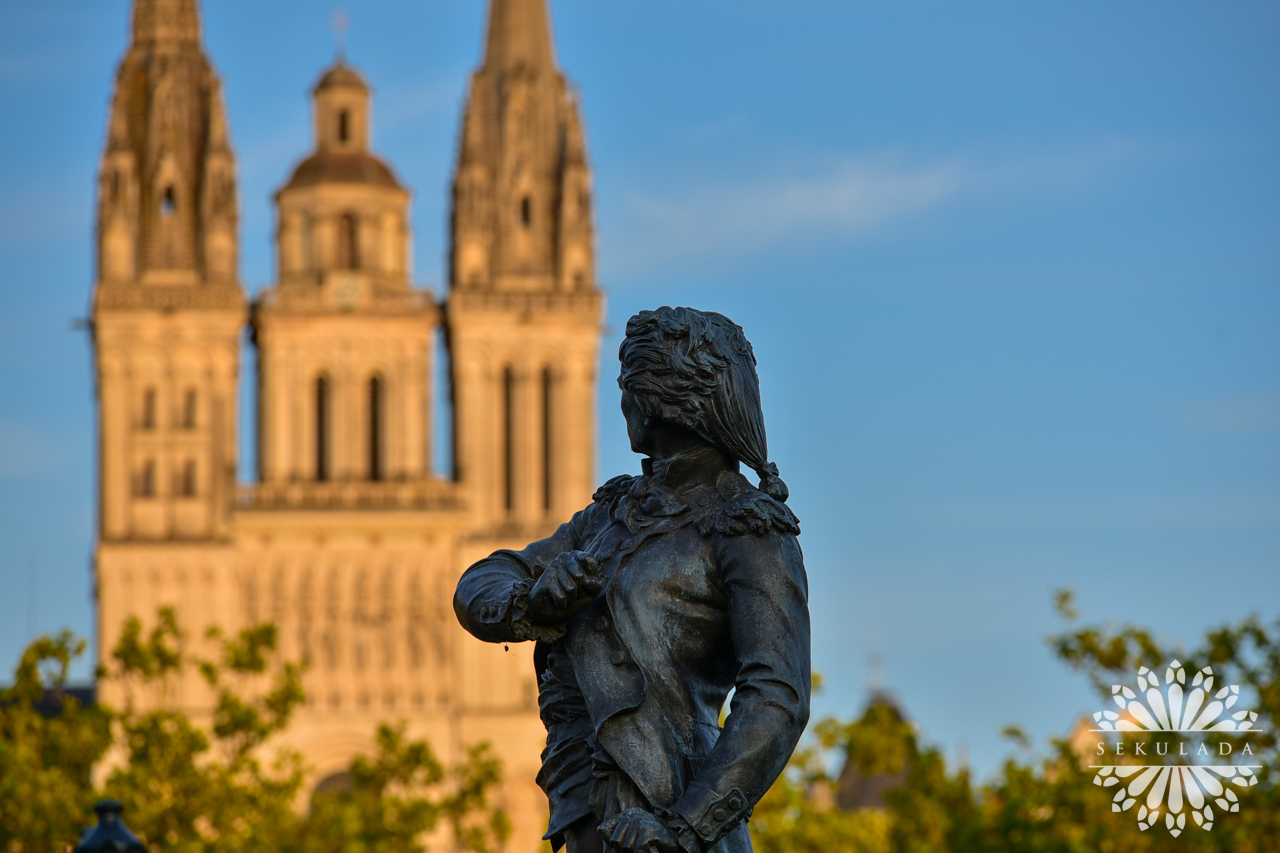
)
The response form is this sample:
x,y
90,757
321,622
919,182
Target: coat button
x,y
705,829
602,624
617,659
718,814
735,804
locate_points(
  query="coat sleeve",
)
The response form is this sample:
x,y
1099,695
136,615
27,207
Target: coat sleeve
x,y
768,600
492,595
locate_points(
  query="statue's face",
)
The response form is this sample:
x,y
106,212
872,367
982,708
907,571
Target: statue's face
x,y
638,429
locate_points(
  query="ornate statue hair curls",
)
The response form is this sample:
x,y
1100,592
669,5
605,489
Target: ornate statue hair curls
x,y
696,369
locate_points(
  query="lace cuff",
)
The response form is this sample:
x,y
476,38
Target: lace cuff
x,y
516,617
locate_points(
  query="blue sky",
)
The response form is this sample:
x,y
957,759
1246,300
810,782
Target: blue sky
x,y
1011,270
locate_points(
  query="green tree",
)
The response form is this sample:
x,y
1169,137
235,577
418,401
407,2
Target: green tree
x,y
384,811
189,788
791,819
1035,803
1246,653
796,814
46,759
193,787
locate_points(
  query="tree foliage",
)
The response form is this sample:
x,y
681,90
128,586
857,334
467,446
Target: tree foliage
x,y
219,784
1035,803
223,783
46,758
380,814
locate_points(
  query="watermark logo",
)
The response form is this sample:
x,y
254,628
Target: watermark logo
x,y
1173,763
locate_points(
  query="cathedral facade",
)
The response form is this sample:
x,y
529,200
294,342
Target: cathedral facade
x,y
347,541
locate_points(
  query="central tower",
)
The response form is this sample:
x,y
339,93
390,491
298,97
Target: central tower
x,y
344,342
523,316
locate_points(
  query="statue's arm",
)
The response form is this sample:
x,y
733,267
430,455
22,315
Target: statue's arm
x,y
492,597
769,611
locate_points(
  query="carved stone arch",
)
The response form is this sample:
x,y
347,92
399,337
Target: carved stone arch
x,y
330,752
338,782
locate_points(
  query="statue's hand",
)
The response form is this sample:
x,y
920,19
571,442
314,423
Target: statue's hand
x,y
566,588
637,831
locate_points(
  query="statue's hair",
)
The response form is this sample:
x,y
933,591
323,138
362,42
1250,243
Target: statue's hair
x,y
696,369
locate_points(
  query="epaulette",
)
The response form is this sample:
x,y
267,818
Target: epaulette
x,y
746,509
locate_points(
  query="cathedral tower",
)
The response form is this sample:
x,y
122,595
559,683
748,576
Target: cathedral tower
x,y
345,345
167,316
346,542
524,312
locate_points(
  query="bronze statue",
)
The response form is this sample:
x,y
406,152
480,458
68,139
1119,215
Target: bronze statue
x,y
650,605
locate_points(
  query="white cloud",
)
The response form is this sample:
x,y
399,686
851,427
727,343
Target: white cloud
x,y
833,198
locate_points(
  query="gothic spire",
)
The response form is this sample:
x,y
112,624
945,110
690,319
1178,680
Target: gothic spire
x,y
167,192
522,189
519,34
165,21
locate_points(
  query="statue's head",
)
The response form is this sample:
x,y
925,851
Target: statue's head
x,y
695,370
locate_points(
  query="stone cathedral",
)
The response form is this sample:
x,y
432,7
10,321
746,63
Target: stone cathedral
x,y
346,541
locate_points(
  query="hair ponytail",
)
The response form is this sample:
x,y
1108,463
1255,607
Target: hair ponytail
x,y
771,484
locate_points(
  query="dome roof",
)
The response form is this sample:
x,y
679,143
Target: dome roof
x,y
341,74
332,167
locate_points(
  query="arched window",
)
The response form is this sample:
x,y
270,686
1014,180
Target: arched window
x,y
348,243
341,782
189,409
322,427
344,129
149,408
189,478
147,479
546,439
375,427
168,201
526,211
508,438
